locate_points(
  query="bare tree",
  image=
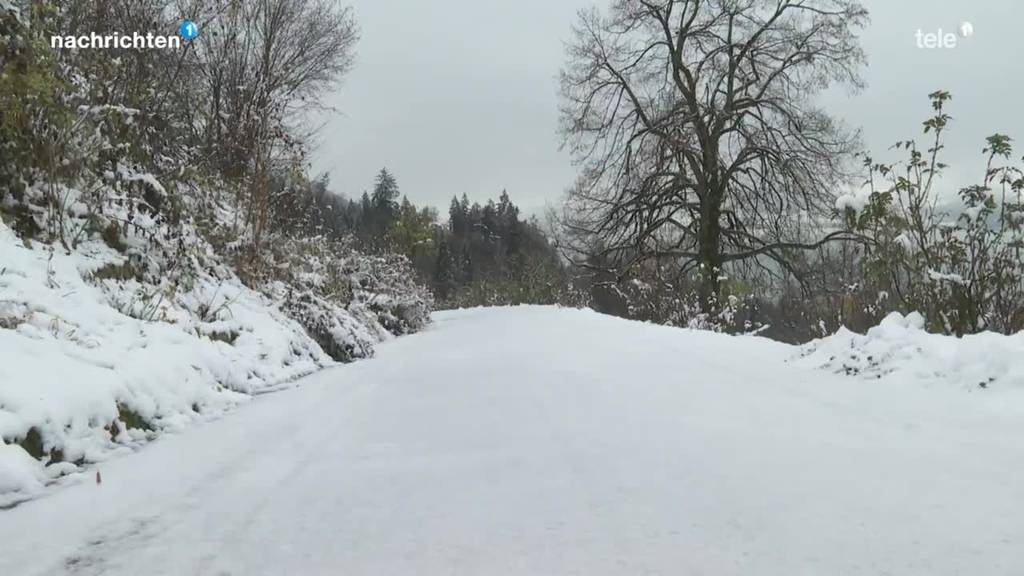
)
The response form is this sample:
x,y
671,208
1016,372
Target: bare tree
x,y
697,134
266,63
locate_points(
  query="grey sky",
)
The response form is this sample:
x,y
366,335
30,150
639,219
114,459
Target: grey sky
x,y
460,96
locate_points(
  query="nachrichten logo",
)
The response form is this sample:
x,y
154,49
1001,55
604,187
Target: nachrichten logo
x,y
188,31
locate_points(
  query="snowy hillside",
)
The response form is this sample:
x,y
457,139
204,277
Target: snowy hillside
x,y
551,441
95,361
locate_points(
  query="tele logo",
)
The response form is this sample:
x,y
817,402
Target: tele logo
x,y
940,39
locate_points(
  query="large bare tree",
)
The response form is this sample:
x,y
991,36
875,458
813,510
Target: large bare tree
x,y
697,133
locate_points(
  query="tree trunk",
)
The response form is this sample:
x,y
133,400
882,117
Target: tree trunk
x,y
710,256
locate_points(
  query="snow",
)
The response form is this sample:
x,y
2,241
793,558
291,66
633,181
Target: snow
x,y
72,364
855,200
539,440
904,241
950,277
18,471
110,340
899,352
148,179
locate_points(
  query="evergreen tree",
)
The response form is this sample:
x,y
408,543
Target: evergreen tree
x,y
367,224
384,202
444,271
457,218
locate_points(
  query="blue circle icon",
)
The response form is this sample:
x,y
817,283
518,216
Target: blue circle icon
x,y
188,30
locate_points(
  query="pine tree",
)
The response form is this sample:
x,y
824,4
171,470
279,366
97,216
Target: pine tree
x,y
366,224
444,271
457,218
384,202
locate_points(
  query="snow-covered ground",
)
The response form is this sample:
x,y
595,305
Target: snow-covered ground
x,y
85,380
898,350
95,361
551,441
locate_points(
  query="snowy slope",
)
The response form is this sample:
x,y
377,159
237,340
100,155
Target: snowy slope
x,y
87,381
549,441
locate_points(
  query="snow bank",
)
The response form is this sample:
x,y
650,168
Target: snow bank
x,y
899,350
145,326
81,380
18,471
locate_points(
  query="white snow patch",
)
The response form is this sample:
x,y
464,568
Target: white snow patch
x,y
950,277
899,350
19,472
855,201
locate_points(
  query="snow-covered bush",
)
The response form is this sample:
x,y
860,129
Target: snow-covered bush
x,y
900,350
960,261
80,379
134,329
652,295
347,300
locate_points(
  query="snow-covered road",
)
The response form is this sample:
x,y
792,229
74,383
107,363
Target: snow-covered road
x,y
544,441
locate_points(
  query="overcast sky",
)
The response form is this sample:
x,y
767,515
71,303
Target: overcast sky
x,y
460,96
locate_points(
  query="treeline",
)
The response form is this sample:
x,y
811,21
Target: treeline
x,y
478,254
